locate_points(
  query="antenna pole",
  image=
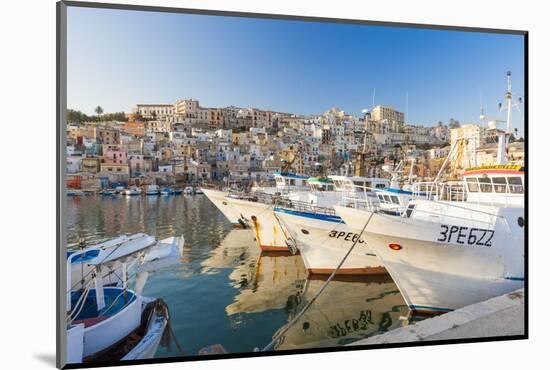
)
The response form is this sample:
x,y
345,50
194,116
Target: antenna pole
x,y
481,104
406,106
508,97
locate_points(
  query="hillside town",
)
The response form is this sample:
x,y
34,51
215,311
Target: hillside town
x,y
185,143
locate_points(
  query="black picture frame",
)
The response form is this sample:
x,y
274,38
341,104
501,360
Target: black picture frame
x,y
61,112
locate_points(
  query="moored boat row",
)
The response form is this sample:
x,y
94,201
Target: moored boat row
x,y
149,190
446,244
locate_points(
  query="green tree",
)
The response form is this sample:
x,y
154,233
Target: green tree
x,y
76,116
453,123
99,111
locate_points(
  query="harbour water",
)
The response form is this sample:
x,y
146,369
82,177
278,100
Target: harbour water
x,y
224,291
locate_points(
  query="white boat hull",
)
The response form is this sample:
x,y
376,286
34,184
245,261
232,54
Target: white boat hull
x,y
270,236
218,198
148,345
323,241
108,332
436,276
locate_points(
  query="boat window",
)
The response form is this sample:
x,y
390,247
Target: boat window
x,y
395,199
410,209
515,184
485,184
473,187
368,184
387,198
381,198
499,184
380,186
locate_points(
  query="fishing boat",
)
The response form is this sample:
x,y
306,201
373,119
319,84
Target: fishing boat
x,y
167,191
82,266
188,191
255,208
152,190
457,243
120,189
217,197
115,323
132,191
321,236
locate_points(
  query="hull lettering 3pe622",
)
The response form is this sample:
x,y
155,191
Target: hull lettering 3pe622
x,y
352,237
466,235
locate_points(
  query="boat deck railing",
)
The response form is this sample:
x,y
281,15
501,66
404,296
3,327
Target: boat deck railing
x,y
449,191
280,200
460,191
306,207
360,197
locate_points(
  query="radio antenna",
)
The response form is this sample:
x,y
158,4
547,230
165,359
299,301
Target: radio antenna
x,y
406,106
482,116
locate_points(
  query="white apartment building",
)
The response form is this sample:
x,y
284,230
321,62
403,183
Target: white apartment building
x,y
74,164
154,110
384,113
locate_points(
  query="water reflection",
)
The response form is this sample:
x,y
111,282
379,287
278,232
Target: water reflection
x,y
224,291
267,283
344,312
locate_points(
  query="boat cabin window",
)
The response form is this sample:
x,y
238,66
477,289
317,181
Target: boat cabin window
x,y
323,187
410,209
485,184
395,199
380,186
381,198
387,198
515,184
473,187
499,184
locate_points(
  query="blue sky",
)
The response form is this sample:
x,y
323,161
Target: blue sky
x,y
119,58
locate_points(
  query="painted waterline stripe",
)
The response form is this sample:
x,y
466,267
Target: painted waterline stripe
x,y
317,216
429,308
516,278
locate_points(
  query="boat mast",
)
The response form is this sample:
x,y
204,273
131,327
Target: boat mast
x,y
503,137
508,97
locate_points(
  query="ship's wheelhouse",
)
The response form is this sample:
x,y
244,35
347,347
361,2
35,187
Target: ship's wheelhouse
x,y
495,184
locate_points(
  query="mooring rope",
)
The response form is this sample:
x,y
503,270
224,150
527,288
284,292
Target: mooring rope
x,y
318,293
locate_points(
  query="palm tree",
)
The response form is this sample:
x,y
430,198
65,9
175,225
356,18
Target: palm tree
x,y
98,111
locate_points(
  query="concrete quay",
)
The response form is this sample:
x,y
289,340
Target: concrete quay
x,y
500,316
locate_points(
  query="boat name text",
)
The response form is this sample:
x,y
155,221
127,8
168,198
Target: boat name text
x,y
346,236
466,235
